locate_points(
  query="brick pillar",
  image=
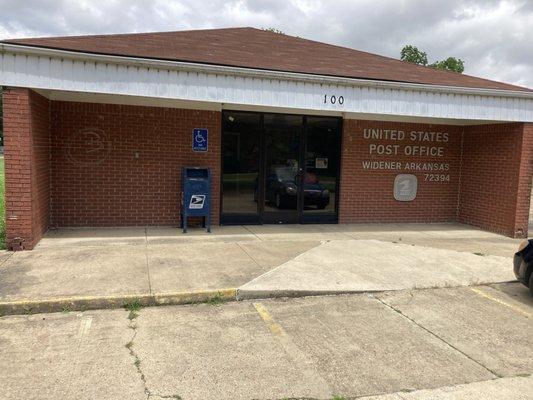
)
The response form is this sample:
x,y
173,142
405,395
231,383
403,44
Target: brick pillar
x,y
27,167
496,174
525,175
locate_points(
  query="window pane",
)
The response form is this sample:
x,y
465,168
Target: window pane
x,y
321,164
282,151
240,165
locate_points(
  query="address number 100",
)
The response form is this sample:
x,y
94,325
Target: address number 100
x,y
332,99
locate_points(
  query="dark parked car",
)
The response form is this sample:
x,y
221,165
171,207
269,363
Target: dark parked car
x,y
523,264
282,189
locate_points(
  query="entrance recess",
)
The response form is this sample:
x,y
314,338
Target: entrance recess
x,y
279,168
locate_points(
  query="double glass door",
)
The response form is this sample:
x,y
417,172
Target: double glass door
x,y
279,168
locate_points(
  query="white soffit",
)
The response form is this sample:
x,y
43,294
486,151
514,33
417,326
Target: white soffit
x,y
57,70
199,105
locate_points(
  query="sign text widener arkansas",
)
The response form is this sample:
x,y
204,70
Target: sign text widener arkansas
x,y
415,144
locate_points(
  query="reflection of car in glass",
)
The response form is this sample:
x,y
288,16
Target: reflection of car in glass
x,y
281,189
523,264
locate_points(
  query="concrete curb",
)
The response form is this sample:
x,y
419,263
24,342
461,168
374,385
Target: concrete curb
x,y
275,294
77,303
252,294
214,296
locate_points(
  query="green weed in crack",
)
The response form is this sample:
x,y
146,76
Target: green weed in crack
x,y
137,364
133,305
27,310
216,300
407,390
130,346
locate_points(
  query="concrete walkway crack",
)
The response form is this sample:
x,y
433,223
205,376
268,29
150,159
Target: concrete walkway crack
x,y
130,346
136,359
438,337
248,254
252,232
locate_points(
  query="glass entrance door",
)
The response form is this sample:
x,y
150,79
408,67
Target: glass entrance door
x,y
279,168
240,167
283,168
322,164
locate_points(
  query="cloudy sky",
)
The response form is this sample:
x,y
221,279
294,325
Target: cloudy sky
x,y
493,37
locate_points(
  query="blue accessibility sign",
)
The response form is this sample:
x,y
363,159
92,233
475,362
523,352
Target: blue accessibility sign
x,y
199,139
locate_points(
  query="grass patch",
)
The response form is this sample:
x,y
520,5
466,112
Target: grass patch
x,y
337,397
216,300
134,305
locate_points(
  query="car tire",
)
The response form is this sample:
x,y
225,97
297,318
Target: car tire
x,y
531,284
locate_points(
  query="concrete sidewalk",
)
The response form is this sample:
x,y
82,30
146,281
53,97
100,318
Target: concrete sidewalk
x,y
71,268
448,344
352,266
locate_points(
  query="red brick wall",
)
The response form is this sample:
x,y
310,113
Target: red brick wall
x,y
496,178
80,164
524,182
117,165
40,173
27,167
367,195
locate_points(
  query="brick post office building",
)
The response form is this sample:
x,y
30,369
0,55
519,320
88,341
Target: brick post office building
x,y
97,129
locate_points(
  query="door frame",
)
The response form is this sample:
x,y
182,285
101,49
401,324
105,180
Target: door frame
x,y
301,217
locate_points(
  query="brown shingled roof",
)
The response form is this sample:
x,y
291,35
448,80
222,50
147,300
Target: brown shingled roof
x,y
256,48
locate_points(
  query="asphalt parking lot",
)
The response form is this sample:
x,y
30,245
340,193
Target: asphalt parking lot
x,y
388,343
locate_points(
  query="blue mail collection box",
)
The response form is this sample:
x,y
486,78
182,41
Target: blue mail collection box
x,y
195,195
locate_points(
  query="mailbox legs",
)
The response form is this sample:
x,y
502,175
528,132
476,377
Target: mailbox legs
x,y
183,224
206,223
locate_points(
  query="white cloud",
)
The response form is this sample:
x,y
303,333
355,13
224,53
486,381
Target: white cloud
x,y
493,37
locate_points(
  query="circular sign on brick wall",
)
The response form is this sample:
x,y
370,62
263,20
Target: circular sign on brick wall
x,y
88,146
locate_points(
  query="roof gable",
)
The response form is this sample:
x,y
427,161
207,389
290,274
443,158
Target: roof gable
x,y
260,49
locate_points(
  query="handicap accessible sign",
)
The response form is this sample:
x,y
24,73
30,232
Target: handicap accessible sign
x,y
199,139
